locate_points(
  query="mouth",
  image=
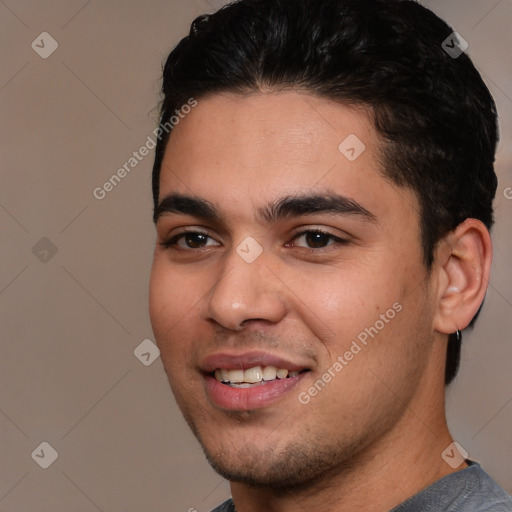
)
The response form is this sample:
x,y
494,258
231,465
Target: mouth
x,y
255,376
252,380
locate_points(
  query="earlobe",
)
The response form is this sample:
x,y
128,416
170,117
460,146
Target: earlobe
x,y
464,269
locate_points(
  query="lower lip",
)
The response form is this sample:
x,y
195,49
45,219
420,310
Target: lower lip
x,y
245,399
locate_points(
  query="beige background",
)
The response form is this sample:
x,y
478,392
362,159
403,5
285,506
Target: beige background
x,y
72,320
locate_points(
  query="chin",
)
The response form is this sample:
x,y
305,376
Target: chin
x,y
285,470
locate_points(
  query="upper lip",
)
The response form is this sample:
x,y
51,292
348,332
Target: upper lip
x,y
245,360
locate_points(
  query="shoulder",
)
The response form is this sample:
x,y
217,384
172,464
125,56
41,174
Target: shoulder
x,y
486,494
227,506
469,490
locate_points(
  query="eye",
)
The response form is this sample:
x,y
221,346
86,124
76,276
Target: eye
x,y
317,239
189,240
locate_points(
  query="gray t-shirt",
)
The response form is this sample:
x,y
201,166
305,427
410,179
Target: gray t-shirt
x,y
469,490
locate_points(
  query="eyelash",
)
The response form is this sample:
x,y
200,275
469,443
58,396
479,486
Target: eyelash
x,y
171,243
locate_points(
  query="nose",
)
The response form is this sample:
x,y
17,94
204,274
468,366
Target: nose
x,y
246,292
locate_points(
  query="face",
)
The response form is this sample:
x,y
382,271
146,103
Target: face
x,y
288,294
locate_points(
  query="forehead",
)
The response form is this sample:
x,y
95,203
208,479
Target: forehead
x,y
251,149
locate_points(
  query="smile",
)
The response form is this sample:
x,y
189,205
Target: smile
x,y
257,375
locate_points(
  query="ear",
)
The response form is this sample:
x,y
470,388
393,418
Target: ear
x,y
463,269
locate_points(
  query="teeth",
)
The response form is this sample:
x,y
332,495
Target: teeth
x,y
269,373
255,375
235,375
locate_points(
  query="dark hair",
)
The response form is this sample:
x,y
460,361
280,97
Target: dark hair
x,y
435,116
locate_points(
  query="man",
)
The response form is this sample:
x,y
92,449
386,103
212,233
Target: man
x,y
323,188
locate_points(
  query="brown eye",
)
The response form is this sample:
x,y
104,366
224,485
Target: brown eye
x,y
315,239
195,240
189,240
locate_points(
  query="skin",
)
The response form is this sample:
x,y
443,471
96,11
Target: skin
x,y
373,436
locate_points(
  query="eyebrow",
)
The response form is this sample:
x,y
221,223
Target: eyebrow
x,y
285,207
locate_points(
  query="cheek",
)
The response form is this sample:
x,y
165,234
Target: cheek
x,y
346,299
370,364
172,299
173,291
